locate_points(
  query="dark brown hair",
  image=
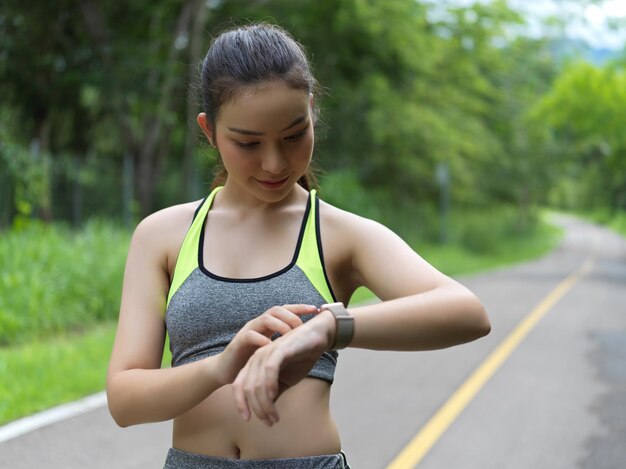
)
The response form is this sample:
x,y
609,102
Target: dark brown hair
x,y
250,55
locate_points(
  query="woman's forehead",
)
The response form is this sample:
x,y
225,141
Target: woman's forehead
x,y
265,108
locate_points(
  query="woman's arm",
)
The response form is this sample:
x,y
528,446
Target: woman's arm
x,y
138,390
421,309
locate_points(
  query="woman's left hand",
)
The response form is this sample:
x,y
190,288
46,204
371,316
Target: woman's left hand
x,y
277,366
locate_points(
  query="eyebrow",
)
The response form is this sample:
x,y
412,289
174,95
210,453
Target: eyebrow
x,y
252,132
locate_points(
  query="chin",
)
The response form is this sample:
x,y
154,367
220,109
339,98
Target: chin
x,y
273,194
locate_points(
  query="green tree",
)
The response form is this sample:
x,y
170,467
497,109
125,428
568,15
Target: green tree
x,y
409,84
585,107
105,79
42,65
407,88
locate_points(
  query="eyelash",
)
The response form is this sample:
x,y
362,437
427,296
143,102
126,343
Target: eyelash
x,y
252,145
245,146
296,137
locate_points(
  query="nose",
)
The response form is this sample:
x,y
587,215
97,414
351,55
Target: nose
x,y
273,161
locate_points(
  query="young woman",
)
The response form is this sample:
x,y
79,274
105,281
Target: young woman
x,y
250,282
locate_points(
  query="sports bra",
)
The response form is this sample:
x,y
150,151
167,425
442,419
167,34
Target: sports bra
x,y
204,311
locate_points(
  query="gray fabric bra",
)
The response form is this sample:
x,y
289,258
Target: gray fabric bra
x,y
205,311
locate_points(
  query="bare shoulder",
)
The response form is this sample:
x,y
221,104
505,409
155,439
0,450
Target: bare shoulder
x,y
351,227
161,233
168,219
372,255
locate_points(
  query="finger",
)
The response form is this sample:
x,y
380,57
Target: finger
x,y
270,324
275,319
290,314
247,342
256,339
252,390
267,381
301,309
272,386
240,398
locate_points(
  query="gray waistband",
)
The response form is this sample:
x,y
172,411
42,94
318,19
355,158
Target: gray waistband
x,y
178,459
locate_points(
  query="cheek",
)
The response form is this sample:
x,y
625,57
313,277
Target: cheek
x,y
304,150
231,154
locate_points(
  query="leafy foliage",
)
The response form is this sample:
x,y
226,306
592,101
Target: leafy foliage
x,y
585,108
108,99
429,84
54,279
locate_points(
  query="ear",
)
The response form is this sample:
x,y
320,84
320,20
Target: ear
x,y
313,109
206,127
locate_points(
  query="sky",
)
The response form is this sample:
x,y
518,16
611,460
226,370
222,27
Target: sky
x,y
585,19
588,21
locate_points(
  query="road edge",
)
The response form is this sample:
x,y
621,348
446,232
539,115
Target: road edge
x,y
50,416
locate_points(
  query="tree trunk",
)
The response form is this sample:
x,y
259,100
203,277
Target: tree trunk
x,y
77,193
191,179
39,147
128,193
156,132
7,196
142,144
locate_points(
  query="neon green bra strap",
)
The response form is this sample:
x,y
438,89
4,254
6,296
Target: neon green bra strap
x,y
310,257
187,260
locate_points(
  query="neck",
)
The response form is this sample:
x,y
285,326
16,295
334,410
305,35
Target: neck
x,y
233,197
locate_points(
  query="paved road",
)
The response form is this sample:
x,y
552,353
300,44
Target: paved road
x,y
559,401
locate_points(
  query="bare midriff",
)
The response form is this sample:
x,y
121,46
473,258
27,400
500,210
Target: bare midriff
x,y
306,427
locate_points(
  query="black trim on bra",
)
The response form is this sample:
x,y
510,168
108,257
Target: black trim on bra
x,y
195,214
207,272
318,237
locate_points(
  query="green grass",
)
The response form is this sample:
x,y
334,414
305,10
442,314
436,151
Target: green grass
x,y
456,259
45,372
54,279
39,375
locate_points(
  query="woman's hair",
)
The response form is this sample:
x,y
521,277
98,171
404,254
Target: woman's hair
x,y
251,55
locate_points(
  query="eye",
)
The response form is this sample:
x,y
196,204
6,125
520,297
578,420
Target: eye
x,y
297,136
246,145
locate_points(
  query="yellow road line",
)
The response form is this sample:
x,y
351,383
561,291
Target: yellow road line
x,y
419,446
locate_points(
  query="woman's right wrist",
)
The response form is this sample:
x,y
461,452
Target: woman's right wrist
x,y
215,371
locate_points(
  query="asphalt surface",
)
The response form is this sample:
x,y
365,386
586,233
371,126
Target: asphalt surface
x,y
559,401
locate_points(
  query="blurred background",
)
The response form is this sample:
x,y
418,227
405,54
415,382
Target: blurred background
x,y
456,123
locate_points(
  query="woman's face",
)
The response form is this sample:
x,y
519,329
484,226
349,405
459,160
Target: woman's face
x,y
265,138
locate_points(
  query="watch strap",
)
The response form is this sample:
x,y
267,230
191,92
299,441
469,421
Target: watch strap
x,y
344,323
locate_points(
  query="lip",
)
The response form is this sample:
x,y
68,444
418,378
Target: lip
x,y
272,183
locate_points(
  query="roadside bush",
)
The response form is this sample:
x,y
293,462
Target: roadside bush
x,y
482,231
479,230
409,218
614,219
55,279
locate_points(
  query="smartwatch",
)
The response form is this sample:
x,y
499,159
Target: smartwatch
x,y
344,322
